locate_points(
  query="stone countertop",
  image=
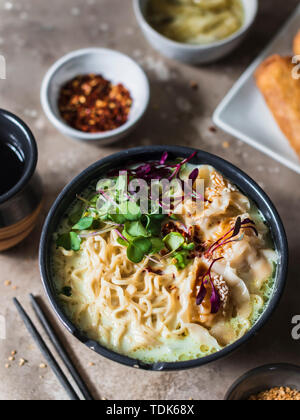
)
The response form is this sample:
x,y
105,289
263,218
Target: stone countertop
x,y
33,35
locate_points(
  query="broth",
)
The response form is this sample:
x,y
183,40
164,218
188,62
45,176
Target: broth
x,y
195,21
11,167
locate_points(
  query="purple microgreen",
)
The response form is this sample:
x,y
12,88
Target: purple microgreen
x,y
153,260
248,221
201,294
252,225
143,170
237,227
99,232
215,298
120,235
108,198
180,165
164,158
188,159
235,231
194,175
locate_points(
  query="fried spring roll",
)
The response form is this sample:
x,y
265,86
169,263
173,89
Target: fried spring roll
x,y
282,93
297,44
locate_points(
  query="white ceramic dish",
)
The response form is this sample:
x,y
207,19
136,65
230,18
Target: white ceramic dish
x,y
195,54
112,65
244,114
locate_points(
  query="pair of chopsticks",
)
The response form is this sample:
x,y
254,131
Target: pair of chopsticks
x,y
58,347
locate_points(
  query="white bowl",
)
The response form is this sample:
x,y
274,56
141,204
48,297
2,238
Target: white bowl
x,y
113,66
195,54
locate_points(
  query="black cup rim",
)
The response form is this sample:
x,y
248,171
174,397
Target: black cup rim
x,y
30,163
242,180
257,371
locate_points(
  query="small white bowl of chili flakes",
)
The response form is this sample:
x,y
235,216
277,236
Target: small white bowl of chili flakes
x,y
95,95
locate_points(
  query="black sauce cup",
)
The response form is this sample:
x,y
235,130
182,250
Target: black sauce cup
x,y
20,205
142,154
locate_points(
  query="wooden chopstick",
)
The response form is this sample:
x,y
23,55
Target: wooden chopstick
x,y
60,348
46,352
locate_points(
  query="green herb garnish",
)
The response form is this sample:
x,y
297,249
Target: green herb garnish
x,y
84,223
136,229
76,214
174,241
157,245
112,207
153,224
69,241
138,248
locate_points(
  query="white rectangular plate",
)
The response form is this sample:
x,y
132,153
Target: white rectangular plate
x,y
244,114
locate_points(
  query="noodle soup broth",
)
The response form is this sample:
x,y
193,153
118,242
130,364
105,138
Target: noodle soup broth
x,y
162,286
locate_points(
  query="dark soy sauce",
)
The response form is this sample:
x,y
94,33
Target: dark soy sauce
x,y
11,167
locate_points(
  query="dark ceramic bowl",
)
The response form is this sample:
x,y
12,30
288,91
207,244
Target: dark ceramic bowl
x,y
264,378
20,206
119,160
15,132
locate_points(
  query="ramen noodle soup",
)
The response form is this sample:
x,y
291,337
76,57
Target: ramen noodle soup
x,y
164,286
195,21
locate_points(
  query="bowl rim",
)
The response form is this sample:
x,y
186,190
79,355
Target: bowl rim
x,y
221,165
30,163
201,47
258,370
72,132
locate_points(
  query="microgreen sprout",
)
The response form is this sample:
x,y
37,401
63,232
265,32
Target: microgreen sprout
x,y
231,234
113,208
215,298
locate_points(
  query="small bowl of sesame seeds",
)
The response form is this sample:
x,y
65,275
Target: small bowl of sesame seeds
x,y
95,95
278,382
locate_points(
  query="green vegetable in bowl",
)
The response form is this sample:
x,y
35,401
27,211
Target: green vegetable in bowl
x,y
138,248
69,241
174,241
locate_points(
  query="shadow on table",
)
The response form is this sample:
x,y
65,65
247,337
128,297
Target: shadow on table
x,y
173,106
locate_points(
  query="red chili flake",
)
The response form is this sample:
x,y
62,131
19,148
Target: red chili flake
x,y
93,104
175,227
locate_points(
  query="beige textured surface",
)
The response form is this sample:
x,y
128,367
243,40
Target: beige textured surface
x,y
33,34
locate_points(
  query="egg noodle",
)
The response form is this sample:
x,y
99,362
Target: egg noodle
x,y
148,310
